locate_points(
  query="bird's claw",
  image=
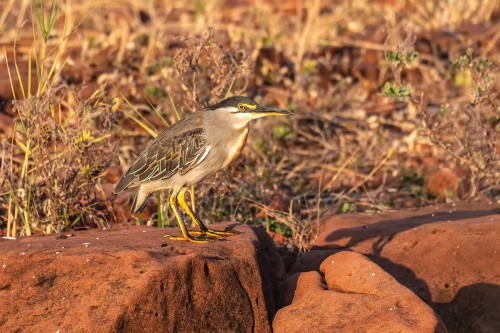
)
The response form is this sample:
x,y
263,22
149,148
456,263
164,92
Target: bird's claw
x,y
199,240
215,233
205,236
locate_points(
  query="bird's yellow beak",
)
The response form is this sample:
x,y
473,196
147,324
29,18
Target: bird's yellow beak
x,y
263,111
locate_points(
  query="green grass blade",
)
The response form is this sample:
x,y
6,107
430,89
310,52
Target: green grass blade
x,y
9,74
160,212
29,74
144,124
24,217
157,112
18,73
173,105
228,92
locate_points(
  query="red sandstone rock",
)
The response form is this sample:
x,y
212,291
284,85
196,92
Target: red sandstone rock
x,y
448,255
134,280
358,297
447,183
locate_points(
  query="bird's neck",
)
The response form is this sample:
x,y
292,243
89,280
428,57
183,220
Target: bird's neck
x,y
231,124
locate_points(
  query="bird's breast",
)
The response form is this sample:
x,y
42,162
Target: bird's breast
x,y
235,146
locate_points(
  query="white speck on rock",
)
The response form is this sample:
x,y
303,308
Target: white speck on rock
x,y
373,274
86,244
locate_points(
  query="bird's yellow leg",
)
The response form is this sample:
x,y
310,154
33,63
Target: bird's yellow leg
x,y
203,228
185,233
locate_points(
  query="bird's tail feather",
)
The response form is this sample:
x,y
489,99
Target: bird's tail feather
x,y
140,201
123,183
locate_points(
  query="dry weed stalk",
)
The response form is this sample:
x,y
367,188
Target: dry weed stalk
x,y
434,14
304,232
62,145
207,72
470,133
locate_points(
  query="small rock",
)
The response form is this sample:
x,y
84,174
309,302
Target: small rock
x,y
358,297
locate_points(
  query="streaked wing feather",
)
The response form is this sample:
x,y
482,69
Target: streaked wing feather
x,y
177,149
172,155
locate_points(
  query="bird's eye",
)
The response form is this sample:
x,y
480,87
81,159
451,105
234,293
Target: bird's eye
x,y
241,107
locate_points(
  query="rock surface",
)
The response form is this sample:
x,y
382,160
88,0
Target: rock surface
x,y
353,295
448,255
134,280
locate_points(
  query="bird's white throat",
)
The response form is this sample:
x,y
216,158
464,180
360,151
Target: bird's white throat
x,y
232,117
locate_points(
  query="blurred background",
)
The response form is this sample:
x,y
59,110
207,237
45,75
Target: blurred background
x,y
396,106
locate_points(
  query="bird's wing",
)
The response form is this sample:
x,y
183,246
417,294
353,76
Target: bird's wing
x,y
171,152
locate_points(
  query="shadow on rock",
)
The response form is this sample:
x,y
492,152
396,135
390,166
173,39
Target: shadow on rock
x,y
476,308
385,230
448,258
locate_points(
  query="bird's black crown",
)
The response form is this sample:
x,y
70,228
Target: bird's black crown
x,y
234,102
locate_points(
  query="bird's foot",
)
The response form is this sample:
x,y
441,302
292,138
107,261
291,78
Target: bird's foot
x,y
199,240
215,233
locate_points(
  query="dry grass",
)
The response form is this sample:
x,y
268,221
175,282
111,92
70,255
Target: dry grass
x,y
62,146
361,76
469,133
